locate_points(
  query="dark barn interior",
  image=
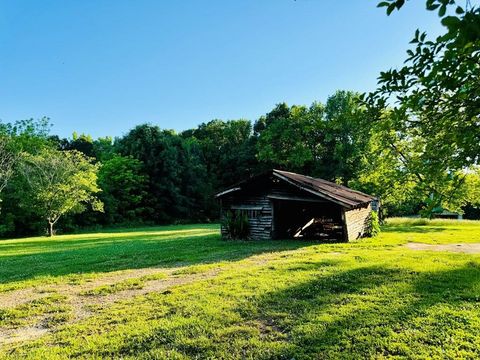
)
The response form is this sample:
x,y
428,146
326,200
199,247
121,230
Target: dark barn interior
x,y
309,220
284,205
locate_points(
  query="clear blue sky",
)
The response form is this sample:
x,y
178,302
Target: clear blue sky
x,y
102,67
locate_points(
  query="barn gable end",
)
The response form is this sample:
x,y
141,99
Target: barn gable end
x,y
356,221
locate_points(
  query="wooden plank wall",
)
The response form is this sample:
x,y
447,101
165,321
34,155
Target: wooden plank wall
x,y
261,226
355,221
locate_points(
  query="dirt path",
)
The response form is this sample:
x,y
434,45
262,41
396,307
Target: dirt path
x,y
468,248
15,298
9,336
82,305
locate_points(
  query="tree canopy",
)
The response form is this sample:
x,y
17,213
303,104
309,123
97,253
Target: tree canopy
x,y
60,182
428,111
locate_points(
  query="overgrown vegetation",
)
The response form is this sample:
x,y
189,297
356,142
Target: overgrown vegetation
x,y
372,228
267,299
236,224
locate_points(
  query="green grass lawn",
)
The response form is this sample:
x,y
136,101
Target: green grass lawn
x,y
181,292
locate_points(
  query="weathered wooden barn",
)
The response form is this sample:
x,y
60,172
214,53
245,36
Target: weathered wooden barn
x,y
283,205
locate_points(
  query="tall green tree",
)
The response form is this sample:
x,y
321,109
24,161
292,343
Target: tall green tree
x,y
28,135
21,136
291,137
432,126
383,174
104,148
347,131
228,150
61,182
124,190
8,157
172,167
322,140
83,143
196,187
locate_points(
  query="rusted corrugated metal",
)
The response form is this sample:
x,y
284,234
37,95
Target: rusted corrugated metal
x,y
324,189
327,189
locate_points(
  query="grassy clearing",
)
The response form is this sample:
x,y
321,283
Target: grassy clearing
x,y
276,299
75,259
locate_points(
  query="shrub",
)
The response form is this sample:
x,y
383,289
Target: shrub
x,y
372,227
236,225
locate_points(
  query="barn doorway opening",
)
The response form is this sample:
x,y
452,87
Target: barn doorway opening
x,y
308,220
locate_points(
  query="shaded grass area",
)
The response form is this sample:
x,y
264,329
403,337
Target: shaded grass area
x,y
279,299
76,258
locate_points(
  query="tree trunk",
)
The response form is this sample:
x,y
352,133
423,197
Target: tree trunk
x,y
50,228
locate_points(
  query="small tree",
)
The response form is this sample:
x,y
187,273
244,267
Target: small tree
x,y
61,182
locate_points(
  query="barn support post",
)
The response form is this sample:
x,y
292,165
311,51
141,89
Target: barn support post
x,y
272,232
345,228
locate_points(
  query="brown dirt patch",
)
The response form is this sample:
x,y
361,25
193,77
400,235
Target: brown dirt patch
x,y
26,333
84,306
468,248
16,298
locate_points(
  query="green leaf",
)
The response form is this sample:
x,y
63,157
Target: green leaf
x,y
390,8
442,11
451,22
459,10
383,4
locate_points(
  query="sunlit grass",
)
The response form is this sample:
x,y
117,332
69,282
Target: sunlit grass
x,y
373,298
53,306
129,284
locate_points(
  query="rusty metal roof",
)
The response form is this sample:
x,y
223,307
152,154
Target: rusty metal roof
x,y
327,190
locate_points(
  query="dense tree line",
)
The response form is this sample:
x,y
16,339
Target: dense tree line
x,y
153,175
156,176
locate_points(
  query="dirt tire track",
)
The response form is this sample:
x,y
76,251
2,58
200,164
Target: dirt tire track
x,y
81,304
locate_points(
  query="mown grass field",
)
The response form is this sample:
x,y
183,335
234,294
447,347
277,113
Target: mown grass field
x,y
181,292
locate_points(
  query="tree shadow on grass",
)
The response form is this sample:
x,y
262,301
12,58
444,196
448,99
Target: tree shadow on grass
x,y
371,312
90,254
